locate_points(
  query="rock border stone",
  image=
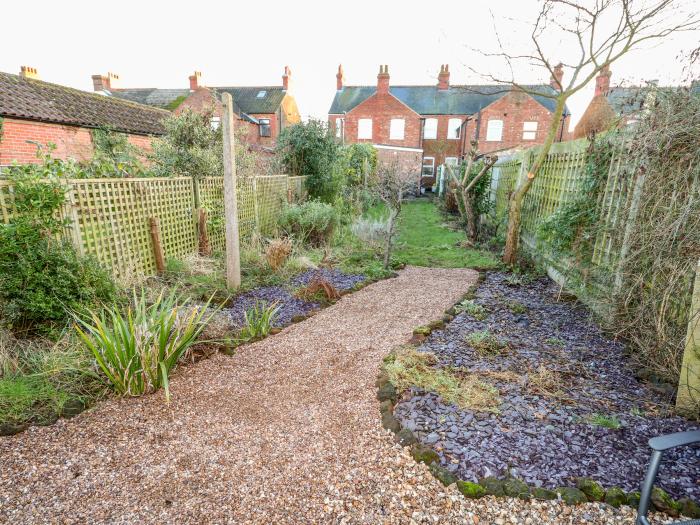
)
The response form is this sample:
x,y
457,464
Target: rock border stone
x,y
586,490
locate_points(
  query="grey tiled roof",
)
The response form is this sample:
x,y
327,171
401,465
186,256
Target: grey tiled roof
x,y
626,100
429,100
246,98
42,101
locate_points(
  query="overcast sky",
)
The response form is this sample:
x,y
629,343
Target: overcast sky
x,y
159,44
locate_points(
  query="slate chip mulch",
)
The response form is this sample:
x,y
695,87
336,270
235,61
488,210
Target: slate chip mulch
x,y
549,438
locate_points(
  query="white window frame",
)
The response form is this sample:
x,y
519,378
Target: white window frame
x,y
454,126
491,131
452,161
397,129
363,132
431,166
530,130
215,122
339,124
433,130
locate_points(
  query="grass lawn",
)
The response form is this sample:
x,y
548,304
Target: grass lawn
x,y
425,240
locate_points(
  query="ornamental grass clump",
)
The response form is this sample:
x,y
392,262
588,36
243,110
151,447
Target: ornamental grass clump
x,y
138,349
277,253
259,320
408,367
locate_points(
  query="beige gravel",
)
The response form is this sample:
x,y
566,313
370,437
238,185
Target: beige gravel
x,y
286,431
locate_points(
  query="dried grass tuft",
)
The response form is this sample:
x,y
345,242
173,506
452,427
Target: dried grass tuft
x,y
318,287
277,253
546,382
408,367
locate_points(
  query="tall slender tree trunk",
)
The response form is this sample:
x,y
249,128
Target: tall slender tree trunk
x,y
470,216
393,213
515,207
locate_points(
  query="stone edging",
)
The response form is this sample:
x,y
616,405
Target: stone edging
x,y
586,490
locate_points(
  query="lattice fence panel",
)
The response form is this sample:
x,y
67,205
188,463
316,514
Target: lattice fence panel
x,y
6,206
113,220
507,175
211,195
272,194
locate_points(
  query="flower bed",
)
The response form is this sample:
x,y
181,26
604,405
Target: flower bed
x,y
569,415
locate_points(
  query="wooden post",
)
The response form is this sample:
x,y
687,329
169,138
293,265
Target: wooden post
x,y
202,235
197,205
688,398
157,244
233,256
256,209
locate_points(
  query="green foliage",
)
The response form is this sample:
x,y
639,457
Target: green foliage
x,y
310,149
114,156
192,148
137,350
42,278
481,190
40,380
477,311
603,420
310,222
259,320
360,164
174,104
573,226
485,343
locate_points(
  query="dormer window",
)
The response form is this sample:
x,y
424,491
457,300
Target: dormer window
x,y
261,94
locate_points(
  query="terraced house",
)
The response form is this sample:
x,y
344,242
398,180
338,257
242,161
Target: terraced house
x,y
34,113
434,124
263,110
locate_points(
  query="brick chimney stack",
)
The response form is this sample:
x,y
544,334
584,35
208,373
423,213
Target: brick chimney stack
x,y
29,72
286,78
195,80
602,81
444,77
339,78
105,83
557,77
383,80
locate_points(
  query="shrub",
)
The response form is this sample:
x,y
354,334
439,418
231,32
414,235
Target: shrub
x,y
259,320
138,349
310,222
277,253
42,278
360,165
310,149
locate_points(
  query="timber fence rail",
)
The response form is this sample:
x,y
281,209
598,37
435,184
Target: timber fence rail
x,y
110,219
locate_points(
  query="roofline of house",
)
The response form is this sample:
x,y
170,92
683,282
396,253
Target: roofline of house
x,y
79,125
398,148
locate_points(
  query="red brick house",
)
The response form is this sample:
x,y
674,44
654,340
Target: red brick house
x,y
439,121
263,110
33,111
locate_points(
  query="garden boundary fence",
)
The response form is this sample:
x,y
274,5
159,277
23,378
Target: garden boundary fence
x,y
112,219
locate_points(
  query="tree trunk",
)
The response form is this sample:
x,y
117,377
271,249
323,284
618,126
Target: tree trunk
x,y
469,216
515,207
389,237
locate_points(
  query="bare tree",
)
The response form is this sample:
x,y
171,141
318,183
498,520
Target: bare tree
x,y
602,31
394,181
464,184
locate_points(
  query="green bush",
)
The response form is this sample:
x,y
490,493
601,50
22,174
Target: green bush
x,y
138,349
42,278
311,222
310,149
258,321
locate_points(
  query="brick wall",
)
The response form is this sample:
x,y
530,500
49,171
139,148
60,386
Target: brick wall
x,y
513,109
71,141
381,108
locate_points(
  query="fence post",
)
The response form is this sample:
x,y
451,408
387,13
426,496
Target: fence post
x,y
157,244
233,256
688,398
76,237
197,204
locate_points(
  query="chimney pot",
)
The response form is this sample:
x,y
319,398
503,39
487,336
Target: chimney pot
x,y
556,81
444,77
286,78
339,78
29,72
602,81
383,79
195,80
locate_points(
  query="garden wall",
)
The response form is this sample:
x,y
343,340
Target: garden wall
x,y
110,218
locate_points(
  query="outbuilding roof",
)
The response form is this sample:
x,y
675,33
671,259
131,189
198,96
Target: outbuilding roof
x,y
250,99
429,100
33,99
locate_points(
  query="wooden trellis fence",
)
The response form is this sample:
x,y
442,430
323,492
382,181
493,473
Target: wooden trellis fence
x,y
110,218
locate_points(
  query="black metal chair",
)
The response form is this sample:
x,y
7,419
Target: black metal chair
x,y
659,445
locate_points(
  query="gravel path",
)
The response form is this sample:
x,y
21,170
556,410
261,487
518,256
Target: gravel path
x,y
286,431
